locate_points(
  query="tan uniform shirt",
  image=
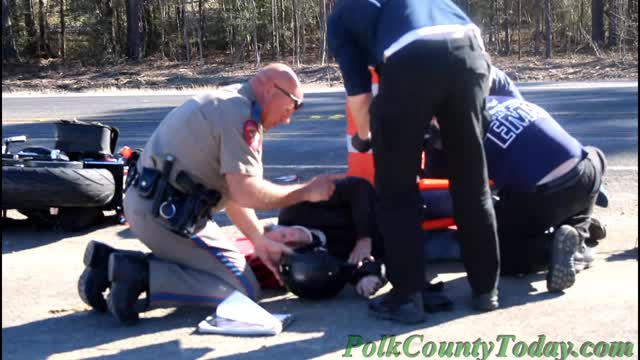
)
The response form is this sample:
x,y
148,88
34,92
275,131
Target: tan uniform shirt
x,y
210,135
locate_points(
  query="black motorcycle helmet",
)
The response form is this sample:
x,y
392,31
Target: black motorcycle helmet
x,y
312,273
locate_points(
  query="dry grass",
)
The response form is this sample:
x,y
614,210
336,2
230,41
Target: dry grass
x,y
55,77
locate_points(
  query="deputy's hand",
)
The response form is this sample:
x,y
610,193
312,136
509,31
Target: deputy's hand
x,y
361,145
320,188
270,253
362,250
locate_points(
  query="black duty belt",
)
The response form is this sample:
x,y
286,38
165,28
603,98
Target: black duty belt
x,y
181,209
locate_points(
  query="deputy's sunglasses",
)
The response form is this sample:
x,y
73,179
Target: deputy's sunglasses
x,y
297,103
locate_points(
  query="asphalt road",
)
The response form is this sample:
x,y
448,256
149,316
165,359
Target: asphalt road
x,y
603,114
42,316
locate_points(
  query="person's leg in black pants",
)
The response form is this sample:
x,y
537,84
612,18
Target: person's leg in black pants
x,y
411,84
462,118
523,217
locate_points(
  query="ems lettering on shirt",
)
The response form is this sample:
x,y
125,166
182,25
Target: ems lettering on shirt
x,y
252,136
509,118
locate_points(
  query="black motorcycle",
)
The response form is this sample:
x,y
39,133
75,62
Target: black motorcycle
x,y
70,185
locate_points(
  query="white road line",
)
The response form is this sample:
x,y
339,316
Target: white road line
x,y
305,166
144,92
612,168
526,86
533,86
622,168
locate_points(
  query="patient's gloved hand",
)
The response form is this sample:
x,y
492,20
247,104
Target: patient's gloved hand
x,y
369,285
359,144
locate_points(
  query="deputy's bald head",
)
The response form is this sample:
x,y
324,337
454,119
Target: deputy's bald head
x,y
279,93
277,73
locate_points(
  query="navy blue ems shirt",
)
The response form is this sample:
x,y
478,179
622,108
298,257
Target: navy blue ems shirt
x,y
524,143
359,31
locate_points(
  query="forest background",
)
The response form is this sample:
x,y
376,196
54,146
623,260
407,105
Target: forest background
x,y
76,45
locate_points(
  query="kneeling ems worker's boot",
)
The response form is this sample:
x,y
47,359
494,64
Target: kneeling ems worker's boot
x,y
562,271
129,276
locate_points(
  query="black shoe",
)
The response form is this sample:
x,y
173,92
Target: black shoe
x,y
408,309
433,300
597,232
129,276
93,281
485,302
562,271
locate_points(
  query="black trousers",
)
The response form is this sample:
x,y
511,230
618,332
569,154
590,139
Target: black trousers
x,y
523,217
449,79
346,217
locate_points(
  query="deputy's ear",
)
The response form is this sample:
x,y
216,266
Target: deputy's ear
x,y
268,91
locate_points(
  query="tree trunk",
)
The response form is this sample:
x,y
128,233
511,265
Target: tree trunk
x,y
117,27
613,15
597,21
491,22
296,34
185,31
133,30
282,30
496,26
537,12
301,26
62,29
323,31
254,32
547,29
232,32
9,51
505,26
108,26
42,24
579,22
148,38
31,46
201,28
275,46
632,22
519,29
162,30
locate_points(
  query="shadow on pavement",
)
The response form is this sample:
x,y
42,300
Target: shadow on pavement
x,y
126,233
24,234
89,329
335,319
166,350
628,254
348,316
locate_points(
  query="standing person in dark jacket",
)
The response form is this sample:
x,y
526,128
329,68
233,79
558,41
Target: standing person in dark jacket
x,y
431,60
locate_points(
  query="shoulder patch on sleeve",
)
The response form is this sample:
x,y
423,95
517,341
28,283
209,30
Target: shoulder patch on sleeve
x,y
252,136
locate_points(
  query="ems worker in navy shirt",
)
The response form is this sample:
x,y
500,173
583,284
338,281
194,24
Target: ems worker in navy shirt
x,y
544,178
431,61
